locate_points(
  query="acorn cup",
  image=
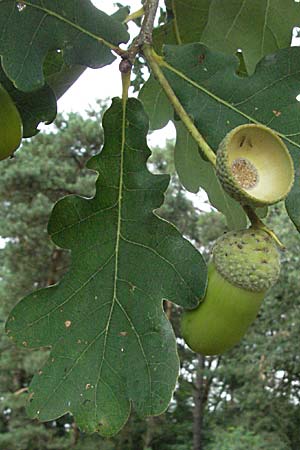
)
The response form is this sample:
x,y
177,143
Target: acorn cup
x,y
254,165
245,264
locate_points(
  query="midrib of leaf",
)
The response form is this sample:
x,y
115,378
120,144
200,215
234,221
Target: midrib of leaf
x,y
176,28
116,269
224,102
235,20
117,246
264,28
68,22
28,50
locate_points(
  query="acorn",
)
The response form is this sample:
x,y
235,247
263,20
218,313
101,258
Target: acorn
x,y
244,265
11,126
254,165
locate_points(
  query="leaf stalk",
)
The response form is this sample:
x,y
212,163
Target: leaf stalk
x,y
155,62
135,15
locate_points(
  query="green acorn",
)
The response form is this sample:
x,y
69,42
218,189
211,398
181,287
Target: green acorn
x,y
255,166
11,127
245,264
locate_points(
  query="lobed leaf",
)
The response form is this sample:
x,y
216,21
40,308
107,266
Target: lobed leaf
x,y
111,343
255,27
31,29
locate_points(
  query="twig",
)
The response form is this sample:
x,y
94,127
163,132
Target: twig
x,y
21,391
145,34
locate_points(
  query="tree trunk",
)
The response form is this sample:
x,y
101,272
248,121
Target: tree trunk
x,y
200,397
148,436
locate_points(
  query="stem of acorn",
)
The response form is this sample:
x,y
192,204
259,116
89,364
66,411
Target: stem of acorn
x,y
155,62
256,222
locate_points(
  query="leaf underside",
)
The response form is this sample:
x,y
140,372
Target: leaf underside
x,y
31,29
111,343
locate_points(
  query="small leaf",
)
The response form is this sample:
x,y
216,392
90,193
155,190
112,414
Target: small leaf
x,y
156,104
194,172
77,28
111,343
189,20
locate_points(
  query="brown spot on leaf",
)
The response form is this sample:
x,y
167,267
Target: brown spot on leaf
x,y
201,58
123,333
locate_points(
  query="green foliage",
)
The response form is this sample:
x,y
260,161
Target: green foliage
x,y
124,254
255,27
240,438
97,367
156,104
54,165
79,29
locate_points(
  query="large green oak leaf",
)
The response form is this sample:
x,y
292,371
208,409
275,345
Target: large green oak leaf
x,y
207,84
256,27
111,342
31,29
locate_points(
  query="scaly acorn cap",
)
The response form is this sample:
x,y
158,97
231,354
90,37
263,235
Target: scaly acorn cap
x,y
244,266
254,165
248,259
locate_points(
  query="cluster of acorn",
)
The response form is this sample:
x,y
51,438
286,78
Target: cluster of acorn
x,y
255,167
